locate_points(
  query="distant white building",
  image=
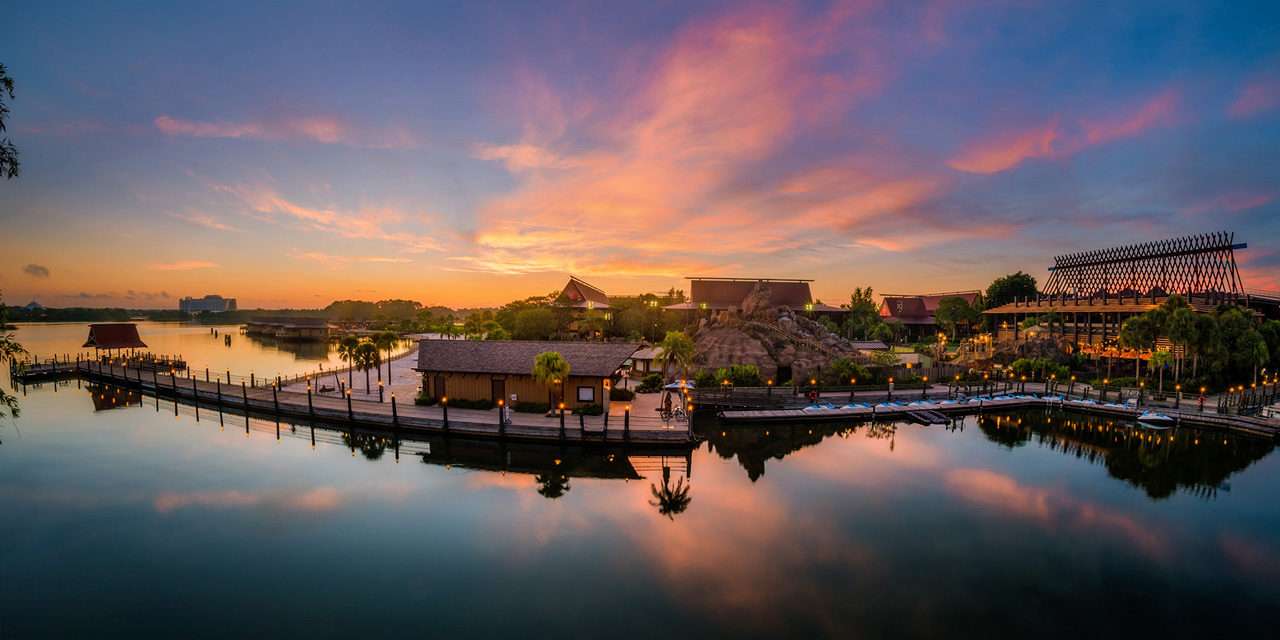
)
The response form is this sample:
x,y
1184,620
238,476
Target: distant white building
x,y
210,303
33,306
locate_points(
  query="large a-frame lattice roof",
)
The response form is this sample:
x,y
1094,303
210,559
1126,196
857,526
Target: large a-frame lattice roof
x,y
1189,265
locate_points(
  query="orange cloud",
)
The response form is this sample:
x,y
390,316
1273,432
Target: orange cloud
x,y
182,265
206,221
671,159
1256,97
317,499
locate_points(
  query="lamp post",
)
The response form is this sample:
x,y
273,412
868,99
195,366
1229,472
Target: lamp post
x,y
852,383
769,384
444,404
562,421
1177,396
1142,385
1071,386
1104,389
1202,390
924,391
890,388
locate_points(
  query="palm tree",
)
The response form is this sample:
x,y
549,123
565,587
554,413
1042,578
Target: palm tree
x,y
670,500
386,341
550,368
552,484
367,357
1138,333
677,349
1160,359
347,351
1181,328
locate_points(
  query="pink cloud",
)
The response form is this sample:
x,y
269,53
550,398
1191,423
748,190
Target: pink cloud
x,y
1053,508
382,223
1260,95
1008,149
206,221
670,157
322,129
1160,110
1231,202
1004,150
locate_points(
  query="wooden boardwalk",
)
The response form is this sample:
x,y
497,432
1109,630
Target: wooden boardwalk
x,y
270,401
1248,425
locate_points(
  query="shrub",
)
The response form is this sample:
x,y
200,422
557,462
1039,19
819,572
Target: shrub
x,y
842,370
589,410
741,375
651,383
624,395
471,404
424,400
706,380
531,407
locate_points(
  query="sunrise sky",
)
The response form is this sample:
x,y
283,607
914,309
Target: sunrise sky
x,y
475,153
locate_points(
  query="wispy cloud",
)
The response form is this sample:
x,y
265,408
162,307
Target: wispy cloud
x,y
384,223
182,265
334,261
1259,95
678,156
321,129
205,220
1005,149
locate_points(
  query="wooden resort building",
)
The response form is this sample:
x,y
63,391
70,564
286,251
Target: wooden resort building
x,y
1090,294
721,294
917,313
289,328
114,336
492,370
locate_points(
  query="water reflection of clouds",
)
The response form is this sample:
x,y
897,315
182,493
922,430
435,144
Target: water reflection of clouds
x,y
1052,507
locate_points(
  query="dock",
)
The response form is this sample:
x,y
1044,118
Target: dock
x,y
943,411
269,400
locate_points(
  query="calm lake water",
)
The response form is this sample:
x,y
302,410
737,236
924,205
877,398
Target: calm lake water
x,y
121,519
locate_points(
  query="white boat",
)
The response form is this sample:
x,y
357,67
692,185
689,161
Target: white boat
x,y
1153,420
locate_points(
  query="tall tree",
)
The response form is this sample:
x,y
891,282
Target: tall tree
x,y
863,314
1138,333
1181,329
677,349
367,357
954,312
9,165
9,349
347,352
551,369
1006,289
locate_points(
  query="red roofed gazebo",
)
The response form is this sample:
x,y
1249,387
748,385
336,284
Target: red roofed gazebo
x,y
113,336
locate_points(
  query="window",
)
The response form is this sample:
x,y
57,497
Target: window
x,y
586,394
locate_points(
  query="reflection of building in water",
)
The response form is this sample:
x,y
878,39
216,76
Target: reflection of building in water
x,y
301,349
106,397
1161,462
754,446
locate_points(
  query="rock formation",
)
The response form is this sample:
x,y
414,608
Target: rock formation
x,y
771,338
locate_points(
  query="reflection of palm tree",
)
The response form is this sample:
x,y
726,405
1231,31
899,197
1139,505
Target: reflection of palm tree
x,y
371,447
552,484
671,500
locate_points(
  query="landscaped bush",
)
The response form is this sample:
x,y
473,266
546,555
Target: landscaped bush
x,y
471,404
424,400
706,380
740,375
651,383
841,370
589,410
624,395
531,407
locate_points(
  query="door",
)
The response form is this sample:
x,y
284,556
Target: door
x,y
439,390
497,389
